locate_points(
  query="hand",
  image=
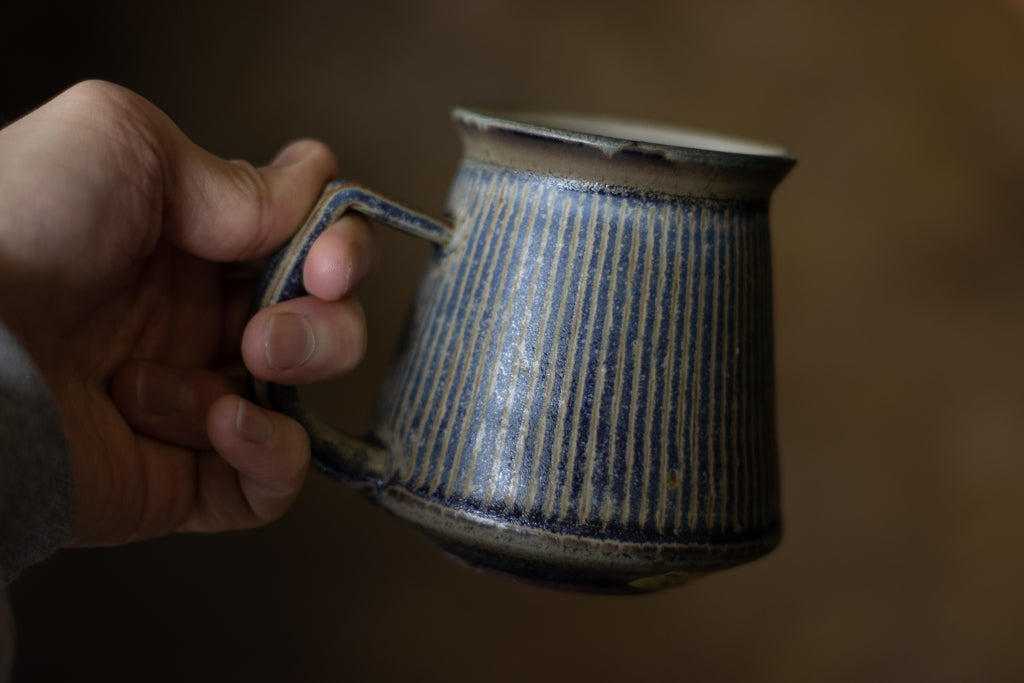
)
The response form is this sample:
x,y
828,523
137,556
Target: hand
x,y
123,252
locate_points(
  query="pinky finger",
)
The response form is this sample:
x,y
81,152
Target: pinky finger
x,y
262,463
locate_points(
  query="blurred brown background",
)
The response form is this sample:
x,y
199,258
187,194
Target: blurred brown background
x,y
898,249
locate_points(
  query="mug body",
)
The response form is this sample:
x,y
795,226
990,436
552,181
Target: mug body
x,y
585,396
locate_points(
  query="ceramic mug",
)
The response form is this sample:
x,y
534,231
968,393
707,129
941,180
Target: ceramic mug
x,y
585,395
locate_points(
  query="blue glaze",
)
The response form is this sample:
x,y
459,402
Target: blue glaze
x,y
585,395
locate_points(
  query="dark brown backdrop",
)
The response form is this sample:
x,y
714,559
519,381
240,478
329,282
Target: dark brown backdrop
x,y
898,248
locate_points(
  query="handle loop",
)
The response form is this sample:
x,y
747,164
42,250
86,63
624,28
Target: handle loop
x,y
356,461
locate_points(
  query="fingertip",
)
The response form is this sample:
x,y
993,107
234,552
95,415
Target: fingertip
x,y
253,424
220,419
269,452
340,258
307,151
222,423
258,442
277,346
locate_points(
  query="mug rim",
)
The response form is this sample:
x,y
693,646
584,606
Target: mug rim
x,y
621,165
613,134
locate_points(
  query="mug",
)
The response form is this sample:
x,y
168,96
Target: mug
x,y
585,394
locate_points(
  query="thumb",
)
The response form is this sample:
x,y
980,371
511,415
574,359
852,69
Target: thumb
x,y
229,210
232,211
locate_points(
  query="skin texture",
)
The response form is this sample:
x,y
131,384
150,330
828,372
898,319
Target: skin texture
x,y
127,259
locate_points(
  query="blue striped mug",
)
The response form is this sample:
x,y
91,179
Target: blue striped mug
x,y
585,398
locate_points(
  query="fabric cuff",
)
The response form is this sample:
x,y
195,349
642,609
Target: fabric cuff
x,y
36,481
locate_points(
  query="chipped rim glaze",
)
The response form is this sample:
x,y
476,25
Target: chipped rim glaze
x,y
630,157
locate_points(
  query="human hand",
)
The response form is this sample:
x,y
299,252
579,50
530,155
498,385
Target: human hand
x,y
123,272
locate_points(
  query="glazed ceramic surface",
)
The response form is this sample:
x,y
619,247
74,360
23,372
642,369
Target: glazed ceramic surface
x,y
585,396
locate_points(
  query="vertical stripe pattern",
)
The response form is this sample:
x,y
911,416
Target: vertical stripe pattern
x,y
592,361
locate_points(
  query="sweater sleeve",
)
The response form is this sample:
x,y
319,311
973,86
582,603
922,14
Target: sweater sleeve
x,y
36,484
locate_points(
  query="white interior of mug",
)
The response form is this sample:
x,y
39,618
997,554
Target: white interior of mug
x,y
649,133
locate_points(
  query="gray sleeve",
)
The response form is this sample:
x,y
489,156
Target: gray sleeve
x,y
36,485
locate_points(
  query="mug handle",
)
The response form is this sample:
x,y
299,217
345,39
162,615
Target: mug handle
x,y
350,459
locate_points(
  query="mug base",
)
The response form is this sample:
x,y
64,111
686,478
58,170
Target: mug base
x,y
556,580
567,561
